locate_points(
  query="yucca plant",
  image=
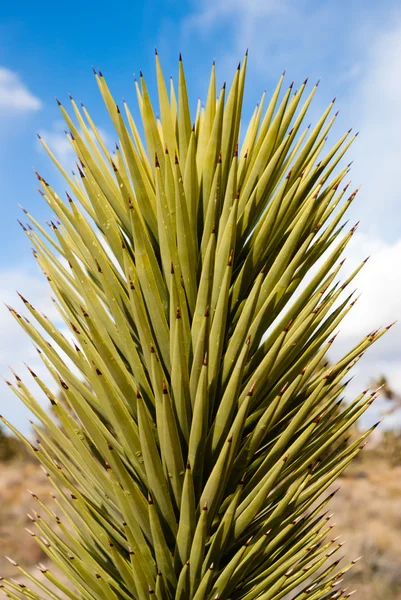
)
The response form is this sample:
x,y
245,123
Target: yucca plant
x,y
196,271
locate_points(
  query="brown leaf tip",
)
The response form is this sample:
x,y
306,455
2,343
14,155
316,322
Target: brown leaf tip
x,y
286,328
22,225
252,389
281,392
24,300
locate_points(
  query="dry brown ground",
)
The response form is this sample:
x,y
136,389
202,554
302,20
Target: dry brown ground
x,y
368,513
367,510
15,502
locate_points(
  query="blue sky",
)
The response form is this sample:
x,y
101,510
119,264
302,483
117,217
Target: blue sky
x,y
354,46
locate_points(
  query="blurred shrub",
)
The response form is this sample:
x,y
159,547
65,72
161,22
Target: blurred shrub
x,y
390,447
11,447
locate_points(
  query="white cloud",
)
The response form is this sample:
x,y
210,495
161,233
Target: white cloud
x,y
374,105
14,95
60,145
212,11
379,283
16,346
276,33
